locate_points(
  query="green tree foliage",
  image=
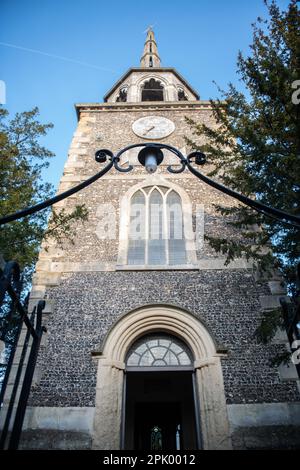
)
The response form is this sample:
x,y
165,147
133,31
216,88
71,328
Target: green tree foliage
x,y
256,146
22,159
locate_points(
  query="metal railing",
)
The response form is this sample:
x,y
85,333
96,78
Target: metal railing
x,y
15,384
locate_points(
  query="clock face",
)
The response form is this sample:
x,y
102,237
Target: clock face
x,y
153,127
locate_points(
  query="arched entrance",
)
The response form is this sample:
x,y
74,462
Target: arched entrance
x,y
112,429
159,407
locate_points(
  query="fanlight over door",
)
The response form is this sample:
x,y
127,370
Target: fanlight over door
x,y
159,350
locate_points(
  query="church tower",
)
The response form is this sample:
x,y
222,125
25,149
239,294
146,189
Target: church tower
x,y
150,342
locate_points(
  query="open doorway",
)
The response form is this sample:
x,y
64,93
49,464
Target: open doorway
x,y
160,411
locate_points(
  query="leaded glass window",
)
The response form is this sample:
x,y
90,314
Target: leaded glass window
x,y
159,350
156,232
176,241
136,245
156,242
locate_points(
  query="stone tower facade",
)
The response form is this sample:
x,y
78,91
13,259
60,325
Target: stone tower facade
x,y
152,323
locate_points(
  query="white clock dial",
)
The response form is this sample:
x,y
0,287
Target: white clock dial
x,y
153,127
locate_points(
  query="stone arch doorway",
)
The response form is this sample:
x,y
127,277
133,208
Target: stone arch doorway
x,y
110,411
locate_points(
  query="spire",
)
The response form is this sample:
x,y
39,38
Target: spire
x,y
150,57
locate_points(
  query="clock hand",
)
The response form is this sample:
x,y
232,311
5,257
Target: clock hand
x,y
148,130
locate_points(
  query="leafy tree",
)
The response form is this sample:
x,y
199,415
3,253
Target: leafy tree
x,y
22,159
256,147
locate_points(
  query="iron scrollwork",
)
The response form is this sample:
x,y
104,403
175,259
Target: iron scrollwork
x,y
101,156
199,158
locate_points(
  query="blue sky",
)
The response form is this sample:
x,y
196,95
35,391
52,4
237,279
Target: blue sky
x,y
85,46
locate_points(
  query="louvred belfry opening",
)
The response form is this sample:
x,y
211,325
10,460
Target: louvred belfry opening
x,y
152,90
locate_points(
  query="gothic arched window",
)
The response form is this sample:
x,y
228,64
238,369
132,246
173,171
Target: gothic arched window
x,y
156,228
152,90
181,95
122,96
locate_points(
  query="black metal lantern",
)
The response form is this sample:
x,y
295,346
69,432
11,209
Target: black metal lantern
x,y
150,157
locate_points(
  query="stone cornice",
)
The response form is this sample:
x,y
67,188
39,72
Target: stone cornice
x,y
149,105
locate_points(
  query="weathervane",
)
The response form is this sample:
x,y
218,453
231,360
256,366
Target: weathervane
x,y
150,28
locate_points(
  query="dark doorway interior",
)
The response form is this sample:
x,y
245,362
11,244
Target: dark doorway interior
x,y
157,426
159,411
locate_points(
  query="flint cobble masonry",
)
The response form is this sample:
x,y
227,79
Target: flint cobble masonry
x,y
87,305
